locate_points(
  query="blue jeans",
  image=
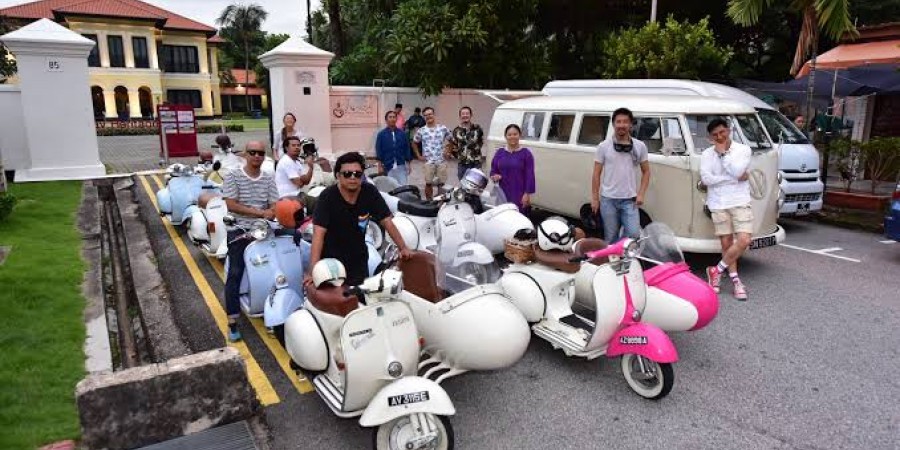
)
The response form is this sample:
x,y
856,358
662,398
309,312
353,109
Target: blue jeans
x,y
235,273
398,173
618,213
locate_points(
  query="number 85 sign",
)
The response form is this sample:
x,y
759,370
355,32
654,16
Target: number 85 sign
x,y
54,65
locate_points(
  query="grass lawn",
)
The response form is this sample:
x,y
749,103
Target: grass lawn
x,y
41,326
249,124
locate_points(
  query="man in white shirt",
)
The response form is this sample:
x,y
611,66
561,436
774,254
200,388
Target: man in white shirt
x,y
292,172
724,170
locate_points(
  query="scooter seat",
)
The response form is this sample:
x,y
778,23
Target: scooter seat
x,y
408,189
420,276
205,197
331,300
416,207
556,259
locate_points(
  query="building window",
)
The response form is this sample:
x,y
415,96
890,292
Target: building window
x,y
179,58
94,57
184,97
141,57
116,51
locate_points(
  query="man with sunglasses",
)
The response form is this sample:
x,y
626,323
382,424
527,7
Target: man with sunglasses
x,y
250,194
342,215
614,190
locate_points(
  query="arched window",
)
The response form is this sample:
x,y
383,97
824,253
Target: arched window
x,y
146,99
99,102
122,105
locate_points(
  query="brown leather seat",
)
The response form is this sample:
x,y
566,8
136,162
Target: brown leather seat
x,y
330,299
420,276
587,245
556,259
205,197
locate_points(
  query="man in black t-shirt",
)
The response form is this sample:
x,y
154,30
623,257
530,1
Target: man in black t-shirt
x,y
343,212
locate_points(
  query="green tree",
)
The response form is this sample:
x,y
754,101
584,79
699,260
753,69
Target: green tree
x,y
337,28
670,50
269,42
243,23
7,64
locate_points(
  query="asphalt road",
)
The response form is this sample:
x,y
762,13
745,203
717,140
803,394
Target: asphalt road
x,y
809,362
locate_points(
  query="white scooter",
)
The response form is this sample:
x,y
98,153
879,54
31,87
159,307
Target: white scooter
x,y
207,225
613,281
488,218
365,357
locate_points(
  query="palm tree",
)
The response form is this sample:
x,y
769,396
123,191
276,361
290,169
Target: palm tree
x,y
245,22
829,16
337,30
309,37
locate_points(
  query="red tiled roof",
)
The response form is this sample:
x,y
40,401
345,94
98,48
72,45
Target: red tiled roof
x,y
215,39
240,74
48,9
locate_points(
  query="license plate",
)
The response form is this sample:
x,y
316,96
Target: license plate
x,y
760,242
406,399
802,209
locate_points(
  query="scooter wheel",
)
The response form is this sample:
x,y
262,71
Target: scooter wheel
x,y
654,383
396,434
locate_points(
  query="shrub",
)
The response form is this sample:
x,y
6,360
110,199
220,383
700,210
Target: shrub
x,y
7,203
144,131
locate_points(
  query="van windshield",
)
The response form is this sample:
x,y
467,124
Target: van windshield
x,y
753,131
779,127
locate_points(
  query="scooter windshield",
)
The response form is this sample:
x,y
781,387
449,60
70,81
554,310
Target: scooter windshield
x,y
658,244
467,265
493,196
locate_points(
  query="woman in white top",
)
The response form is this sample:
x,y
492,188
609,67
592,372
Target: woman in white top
x,y
289,129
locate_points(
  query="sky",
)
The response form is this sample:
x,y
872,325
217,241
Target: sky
x,y
285,16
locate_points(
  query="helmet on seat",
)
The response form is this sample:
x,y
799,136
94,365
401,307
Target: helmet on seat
x,y
329,270
474,181
308,147
289,212
556,233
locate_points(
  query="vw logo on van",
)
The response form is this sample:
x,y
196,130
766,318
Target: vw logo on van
x,y
757,184
803,168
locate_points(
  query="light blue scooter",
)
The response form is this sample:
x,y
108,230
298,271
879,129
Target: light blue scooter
x,y
184,184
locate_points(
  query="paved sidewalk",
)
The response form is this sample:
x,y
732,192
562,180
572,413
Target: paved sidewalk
x,y
126,154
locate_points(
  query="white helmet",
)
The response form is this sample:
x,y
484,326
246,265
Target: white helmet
x,y
329,270
474,181
556,234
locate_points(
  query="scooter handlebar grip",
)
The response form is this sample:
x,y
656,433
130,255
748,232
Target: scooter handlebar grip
x,y
577,259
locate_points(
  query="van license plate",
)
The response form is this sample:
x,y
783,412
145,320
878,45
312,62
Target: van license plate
x,y
802,209
761,242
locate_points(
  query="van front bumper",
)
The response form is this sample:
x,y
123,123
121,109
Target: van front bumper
x,y
694,245
801,198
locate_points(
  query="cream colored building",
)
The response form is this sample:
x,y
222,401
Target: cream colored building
x,y
144,55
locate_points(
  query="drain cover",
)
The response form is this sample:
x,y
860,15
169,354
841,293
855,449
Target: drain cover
x,y
235,436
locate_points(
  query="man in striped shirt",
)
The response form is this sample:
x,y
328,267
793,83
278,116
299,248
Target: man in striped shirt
x,y
249,194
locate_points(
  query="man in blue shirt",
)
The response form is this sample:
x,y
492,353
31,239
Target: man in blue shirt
x,y
392,149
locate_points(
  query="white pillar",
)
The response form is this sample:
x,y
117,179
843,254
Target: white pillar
x,y
128,47
103,48
109,101
154,56
53,77
298,73
134,103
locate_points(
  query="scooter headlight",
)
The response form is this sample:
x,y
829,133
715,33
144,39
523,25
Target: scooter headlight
x,y
395,369
259,230
280,280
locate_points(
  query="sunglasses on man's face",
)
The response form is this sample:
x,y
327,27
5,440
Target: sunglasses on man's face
x,y
256,152
352,173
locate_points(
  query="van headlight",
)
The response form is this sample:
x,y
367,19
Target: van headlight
x,y
779,177
780,198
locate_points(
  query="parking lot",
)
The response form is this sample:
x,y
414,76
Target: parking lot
x,y
808,362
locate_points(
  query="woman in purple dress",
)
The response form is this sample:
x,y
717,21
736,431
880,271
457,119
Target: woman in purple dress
x,y
513,168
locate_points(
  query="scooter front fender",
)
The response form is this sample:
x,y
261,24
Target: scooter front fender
x,y
645,340
280,305
408,395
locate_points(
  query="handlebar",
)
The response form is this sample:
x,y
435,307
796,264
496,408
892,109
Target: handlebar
x,y
617,249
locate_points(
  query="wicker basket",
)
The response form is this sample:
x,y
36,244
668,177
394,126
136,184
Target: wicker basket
x,y
518,251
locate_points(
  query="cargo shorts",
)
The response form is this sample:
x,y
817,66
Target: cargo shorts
x,y
431,171
733,220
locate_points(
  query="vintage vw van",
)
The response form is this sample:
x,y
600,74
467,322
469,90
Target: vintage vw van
x,y
799,164
563,132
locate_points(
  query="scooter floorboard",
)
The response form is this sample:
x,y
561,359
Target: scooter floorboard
x,y
575,321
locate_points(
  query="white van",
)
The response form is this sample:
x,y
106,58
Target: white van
x,y
799,165
563,132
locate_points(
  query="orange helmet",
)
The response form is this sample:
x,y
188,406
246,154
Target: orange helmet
x,y
289,212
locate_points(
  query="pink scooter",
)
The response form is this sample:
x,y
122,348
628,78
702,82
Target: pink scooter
x,y
612,280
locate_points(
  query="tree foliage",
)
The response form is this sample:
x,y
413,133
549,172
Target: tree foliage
x,y
670,50
241,25
7,64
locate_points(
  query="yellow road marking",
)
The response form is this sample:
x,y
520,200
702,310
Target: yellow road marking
x,y
264,390
300,382
284,360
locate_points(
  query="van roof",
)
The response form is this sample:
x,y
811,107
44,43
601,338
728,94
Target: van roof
x,y
637,103
652,86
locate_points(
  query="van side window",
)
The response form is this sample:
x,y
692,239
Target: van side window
x,y
698,123
560,127
659,133
532,124
593,130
